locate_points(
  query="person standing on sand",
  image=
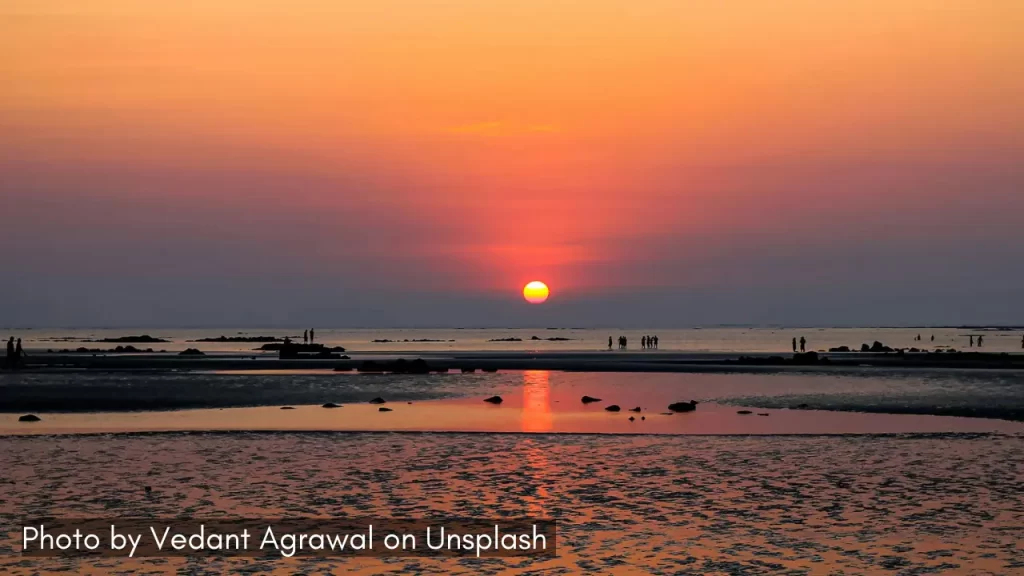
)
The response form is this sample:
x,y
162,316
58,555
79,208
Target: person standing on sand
x,y
18,354
972,340
981,341
643,342
794,344
312,334
655,341
803,344
9,359
933,337
609,342
305,336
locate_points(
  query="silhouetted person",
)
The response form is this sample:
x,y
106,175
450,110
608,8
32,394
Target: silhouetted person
x,y
794,344
9,359
305,336
933,337
312,335
655,342
18,354
643,342
803,344
981,341
1022,342
609,342
972,341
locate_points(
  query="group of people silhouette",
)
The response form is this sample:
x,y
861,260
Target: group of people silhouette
x,y
981,341
308,336
803,344
14,354
646,342
918,338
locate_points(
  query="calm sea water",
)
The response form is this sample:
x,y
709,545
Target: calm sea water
x,y
419,339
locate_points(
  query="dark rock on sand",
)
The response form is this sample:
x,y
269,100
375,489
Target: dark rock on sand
x,y
29,418
840,349
144,339
744,412
643,417
762,413
631,418
589,399
613,408
637,409
331,405
494,400
287,407
683,406
378,400
240,339
191,352
505,340
382,409
875,347
801,407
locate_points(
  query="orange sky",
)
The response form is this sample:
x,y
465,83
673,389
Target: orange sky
x,y
508,141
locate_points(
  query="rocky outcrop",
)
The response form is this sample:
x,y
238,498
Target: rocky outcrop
x,y
589,399
683,406
240,339
331,405
383,409
613,408
378,400
29,418
143,339
191,352
494,400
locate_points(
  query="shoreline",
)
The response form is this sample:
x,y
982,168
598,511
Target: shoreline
x,y
524,414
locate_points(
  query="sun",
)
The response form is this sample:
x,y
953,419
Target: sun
x,y
536,292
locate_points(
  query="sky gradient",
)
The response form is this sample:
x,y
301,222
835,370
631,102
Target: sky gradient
x,y
415,163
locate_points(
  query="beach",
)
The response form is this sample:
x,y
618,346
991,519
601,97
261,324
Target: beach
x,y
864,467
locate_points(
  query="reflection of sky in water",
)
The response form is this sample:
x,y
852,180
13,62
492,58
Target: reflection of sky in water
x,y
536,401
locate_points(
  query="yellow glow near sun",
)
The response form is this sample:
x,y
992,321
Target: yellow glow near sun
x,y
536,292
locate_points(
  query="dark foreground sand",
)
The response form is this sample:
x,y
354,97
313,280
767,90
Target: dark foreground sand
x,y
897,504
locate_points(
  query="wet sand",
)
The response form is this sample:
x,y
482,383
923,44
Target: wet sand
x,y
900,504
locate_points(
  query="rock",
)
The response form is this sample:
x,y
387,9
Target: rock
x,y
631,418
287,408
589,399
29,418
191,352
370,366
637,409
383,409
683,406
505,340
534,338
613,408
378,400
805,358
667,413
744,412
144,339
331,405
801,407
762,413
643,417
840,349
149,489
875,347
493,400
240,339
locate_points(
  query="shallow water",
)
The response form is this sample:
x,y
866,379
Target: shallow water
x,y
991,394
900,504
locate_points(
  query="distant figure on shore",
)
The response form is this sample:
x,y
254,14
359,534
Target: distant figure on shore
x,y
981,341
9,359
1022,342
643,342
794,344
803,344
18,355
933,337
609,342
972,341
655,342
312,335
305,337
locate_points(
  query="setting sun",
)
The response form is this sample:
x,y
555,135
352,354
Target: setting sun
x,y
536,292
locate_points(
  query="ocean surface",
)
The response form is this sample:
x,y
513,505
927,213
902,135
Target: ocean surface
x,y
468,339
